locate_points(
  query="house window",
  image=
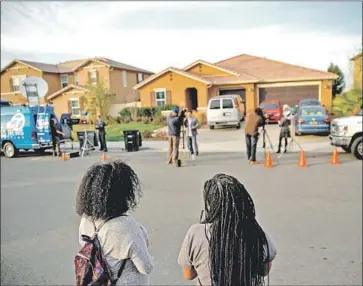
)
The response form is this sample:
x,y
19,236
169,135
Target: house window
x,y
140,77
75,108
64,80
124,78
160,96
76,80
93,77
15,82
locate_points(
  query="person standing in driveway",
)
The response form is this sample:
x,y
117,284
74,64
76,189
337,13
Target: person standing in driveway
x,y
175,121
192,125
100,126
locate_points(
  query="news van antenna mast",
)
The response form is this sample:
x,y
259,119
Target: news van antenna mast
x,y
33,88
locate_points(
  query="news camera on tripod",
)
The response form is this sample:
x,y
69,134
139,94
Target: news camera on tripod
x,y
254,121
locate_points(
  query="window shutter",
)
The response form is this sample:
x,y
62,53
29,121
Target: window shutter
x,y
97,76
89,77
168,97
69,106
152,99
11,84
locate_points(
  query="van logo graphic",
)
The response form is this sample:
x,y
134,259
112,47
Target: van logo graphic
x,y
16,123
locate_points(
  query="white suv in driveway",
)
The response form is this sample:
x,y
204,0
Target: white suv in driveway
x,y
346,132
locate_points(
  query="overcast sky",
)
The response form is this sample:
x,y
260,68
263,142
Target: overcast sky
x,y
154,35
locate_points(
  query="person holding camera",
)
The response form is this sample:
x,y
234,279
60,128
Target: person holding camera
x,y
174,121
254,120
100,126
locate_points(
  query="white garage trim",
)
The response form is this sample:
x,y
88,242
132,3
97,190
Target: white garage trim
x,y
298,83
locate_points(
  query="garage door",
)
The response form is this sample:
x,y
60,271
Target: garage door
x,y
290,95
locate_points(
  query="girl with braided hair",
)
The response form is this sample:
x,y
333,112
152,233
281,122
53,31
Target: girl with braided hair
x,y
228,247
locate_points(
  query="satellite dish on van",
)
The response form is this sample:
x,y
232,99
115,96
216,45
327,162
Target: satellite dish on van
x,y
33,88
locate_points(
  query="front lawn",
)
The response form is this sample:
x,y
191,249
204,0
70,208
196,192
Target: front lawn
x,y
114,132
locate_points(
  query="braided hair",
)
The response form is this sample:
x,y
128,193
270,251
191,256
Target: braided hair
x,y
237,243
108,190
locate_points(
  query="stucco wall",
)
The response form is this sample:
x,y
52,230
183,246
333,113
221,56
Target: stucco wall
x,y
53,81
326,93
176,84
123,94
16,69
61,102
103,73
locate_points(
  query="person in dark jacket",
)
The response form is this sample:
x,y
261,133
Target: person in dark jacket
x,y
100,126
254,120
175,121
55,132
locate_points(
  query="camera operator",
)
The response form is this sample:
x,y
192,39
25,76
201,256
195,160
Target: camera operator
x,y
254,120
175,121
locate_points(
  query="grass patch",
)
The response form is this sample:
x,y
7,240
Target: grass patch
x,y
114,132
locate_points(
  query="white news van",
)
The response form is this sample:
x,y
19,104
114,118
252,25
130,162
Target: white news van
x,y
346,132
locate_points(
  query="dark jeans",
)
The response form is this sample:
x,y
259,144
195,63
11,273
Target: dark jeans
x,y
280,143
251,144
102,138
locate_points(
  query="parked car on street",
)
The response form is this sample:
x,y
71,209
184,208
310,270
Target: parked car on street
x,y
346,132
312,120
272,109
224,110
305,102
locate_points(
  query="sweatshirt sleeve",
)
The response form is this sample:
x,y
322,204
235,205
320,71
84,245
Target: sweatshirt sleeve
x,y
139,253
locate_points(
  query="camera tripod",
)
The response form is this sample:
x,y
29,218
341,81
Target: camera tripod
x,y
290,145
264,135
87,145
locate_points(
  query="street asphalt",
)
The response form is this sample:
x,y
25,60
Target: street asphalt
x,y
313,214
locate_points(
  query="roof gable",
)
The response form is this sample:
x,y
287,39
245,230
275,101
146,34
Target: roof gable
x,y
67,88
222,70
19,62
175,70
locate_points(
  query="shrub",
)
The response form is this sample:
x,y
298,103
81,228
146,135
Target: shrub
x,y
165,107
118,119
138,119
159,119
145,119
147,134
125,114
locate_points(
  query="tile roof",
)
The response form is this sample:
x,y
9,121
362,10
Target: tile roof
x,y
69,66
267,70
123,66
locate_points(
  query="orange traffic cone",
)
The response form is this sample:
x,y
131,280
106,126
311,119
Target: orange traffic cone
x,y
64,156
104,157
268,160
302,162
335,158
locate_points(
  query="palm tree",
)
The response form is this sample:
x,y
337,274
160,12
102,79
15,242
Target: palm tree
x,y
347,103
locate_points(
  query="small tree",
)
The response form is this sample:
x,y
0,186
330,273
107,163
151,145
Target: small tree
x,y
339,83
98,100
348,103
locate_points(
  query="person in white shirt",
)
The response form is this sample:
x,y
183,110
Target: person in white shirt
x,y
192,124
